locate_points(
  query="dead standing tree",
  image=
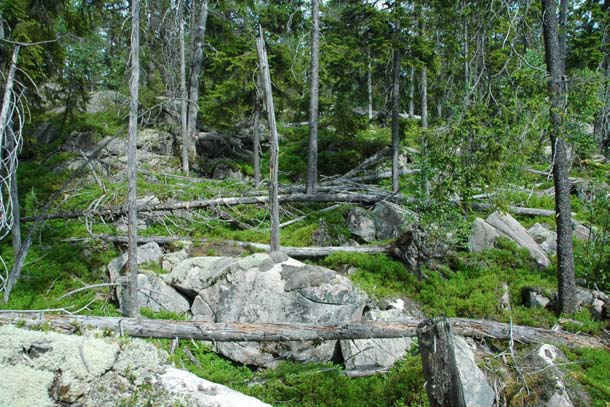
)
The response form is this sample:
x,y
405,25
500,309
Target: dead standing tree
x,y
273,141
130,295
561,165
195,73
312,151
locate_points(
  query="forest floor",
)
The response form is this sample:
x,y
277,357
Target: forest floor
x,y
65,256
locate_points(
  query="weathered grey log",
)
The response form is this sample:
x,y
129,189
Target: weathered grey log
x,y
438,359
262,332
205,203
369,162
296,252
516,210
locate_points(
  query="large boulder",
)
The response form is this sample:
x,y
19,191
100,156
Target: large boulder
x,y
359,222
156,141
375,354
546,238
199,392
482,236
476,389
268,288
386,220
105,100
390,220
147,253
155,294
510,227
91,370
553,387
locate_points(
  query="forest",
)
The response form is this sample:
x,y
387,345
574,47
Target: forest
x,y
305,203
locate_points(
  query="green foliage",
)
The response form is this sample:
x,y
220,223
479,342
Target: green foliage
x,y
591,369
167,315
308,385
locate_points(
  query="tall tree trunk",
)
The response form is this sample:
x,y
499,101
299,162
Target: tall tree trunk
x,y
8,94
412,92
369,84
312,152
602,123
424,98
14,192
184,95
130,299
256,136
466,50
195,73
563,26
395,121
273,141
561,165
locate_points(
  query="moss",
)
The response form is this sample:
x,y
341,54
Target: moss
x,y
307,385
591,370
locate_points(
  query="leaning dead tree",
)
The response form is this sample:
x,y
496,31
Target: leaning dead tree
x,y
273,141
262,332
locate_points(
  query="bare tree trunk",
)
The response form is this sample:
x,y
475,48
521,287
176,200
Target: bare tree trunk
x,y
184,95
466,50
424,98
412,92
273,140
563,27
8,94
130,296
395,121
195,73
256,136
312,152
561,164
602,123
14,192
369,84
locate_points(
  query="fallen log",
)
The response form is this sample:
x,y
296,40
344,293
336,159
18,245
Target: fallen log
x,y
516,210
296,252
372,160
262,332
206,203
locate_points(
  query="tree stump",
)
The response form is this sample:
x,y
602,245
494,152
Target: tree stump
x,y
440,369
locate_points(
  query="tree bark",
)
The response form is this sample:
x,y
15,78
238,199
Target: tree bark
x,y
561,164
369,85
8,94
438,359
273,139
130,295
412,93
312,152
424,98
184,95
195,73
14,193
563,27
256,136
395,122
262,332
